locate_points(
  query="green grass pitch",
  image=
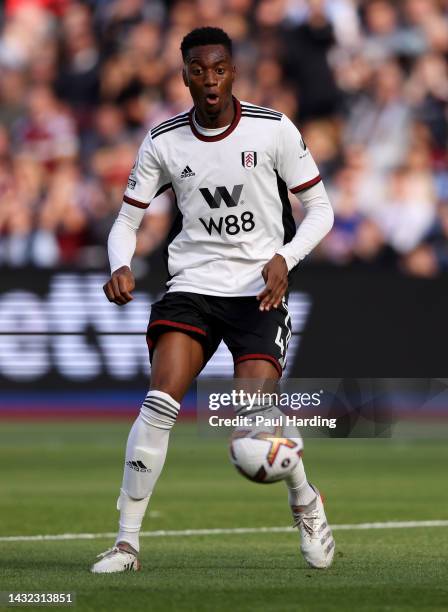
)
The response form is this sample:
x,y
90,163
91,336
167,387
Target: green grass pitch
x,y
64,478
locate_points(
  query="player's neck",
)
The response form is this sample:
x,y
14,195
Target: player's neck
x,y
221,119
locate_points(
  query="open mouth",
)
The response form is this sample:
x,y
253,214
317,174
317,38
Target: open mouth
x,y
212,99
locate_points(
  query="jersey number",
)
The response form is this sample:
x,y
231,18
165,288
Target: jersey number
x,y
231,224
279,341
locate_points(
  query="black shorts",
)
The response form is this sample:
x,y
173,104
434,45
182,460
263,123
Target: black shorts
x,y
247,332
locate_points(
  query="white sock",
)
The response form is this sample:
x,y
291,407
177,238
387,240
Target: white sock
x,y
145,456
300,493
132,512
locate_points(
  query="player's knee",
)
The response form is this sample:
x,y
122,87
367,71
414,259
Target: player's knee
x,y
258,369
159,409
166,382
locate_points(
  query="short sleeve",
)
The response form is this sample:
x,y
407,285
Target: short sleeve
x,y
147,177
295,164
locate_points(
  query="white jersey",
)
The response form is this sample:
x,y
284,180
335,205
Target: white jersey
x,y
231,193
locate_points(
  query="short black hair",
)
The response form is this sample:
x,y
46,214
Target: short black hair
x,y
205,36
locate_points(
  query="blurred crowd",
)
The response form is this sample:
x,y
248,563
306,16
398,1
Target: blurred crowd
x,y
365,81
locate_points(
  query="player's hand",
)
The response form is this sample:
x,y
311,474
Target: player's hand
x,y
275,275
118,288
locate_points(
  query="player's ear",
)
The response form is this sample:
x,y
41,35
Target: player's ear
x,y
184,77
233,73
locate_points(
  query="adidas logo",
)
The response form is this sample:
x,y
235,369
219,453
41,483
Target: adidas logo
x,y
138,466
187,171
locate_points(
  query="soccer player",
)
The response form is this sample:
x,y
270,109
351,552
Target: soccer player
x,y
233,243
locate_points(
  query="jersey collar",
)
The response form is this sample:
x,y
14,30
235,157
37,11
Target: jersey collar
x,y
229,130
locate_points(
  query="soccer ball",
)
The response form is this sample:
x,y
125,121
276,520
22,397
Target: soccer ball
x,y
264,456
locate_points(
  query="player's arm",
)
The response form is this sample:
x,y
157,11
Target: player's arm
x,y
121,247
145,180
318,221
298,169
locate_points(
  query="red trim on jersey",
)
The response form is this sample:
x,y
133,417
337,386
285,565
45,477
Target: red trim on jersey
x,y
229,130
134,202
273,360
306,185
178,325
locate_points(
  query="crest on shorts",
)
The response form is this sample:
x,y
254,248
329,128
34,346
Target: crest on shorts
x,y
249,159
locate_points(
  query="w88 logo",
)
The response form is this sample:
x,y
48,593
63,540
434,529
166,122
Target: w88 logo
x,y
230,224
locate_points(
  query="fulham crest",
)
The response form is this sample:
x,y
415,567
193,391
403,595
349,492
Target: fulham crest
x,y
249,159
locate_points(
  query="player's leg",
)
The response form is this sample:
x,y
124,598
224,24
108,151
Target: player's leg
x,y
179,342
317,543
176,361
266,375
266,337
258,342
